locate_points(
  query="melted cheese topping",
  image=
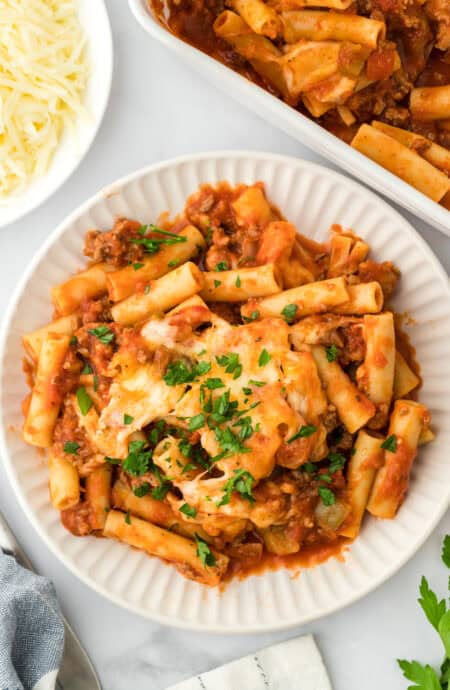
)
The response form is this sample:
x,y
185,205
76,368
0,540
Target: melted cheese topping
x,y
43,75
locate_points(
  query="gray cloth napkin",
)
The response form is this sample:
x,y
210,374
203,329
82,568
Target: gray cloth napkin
x,y
31,629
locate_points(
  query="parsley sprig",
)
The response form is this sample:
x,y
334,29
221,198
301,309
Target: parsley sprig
x,y
425,676
179,372
242,483
152,245
204,552
103,334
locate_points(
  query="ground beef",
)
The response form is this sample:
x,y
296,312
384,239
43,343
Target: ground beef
x,y
114,247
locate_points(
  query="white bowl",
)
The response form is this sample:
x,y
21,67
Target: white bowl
x,y
72,149
293,123
312,197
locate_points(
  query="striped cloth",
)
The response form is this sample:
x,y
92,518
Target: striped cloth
x,y
287,666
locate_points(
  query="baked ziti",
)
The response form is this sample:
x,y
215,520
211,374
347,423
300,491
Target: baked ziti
x,y
223,392
376,73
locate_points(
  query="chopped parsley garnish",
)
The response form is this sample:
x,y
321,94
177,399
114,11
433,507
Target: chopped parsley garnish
x,y
390,444
87,369
173,263
304,431
95,383
253,316
289,312
231,364
138,460
247,391
337,462
204,552
137,266
103,334
73,340
221,266
217,283
214,383
142,490
188,510
264,358
84,400
242,483
179,372
71,447
197,422
152,245
160,492
445,555
229,442
327,496
259,384
308,467
332,353
127,418
113,461
146,289
128,518
238,282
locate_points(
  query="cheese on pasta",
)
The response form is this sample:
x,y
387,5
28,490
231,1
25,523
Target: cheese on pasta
x,y
43,75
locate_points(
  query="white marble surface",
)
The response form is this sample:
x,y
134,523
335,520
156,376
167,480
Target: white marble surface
x,y
151,118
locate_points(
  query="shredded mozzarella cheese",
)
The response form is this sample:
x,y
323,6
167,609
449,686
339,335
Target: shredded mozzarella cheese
x,y
43,74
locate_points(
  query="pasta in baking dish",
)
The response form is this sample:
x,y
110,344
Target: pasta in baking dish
x,y
223,392
375,73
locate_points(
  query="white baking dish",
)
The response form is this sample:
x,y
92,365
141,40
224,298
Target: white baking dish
x,y
293,123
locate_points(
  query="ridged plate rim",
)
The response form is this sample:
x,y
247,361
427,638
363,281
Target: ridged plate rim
x,y
292,164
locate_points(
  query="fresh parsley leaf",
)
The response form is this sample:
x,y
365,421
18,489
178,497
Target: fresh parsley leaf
x,y
87,369
433,609
152,245
128,518
424,677
127,418
142,490
138,460
146,289
247,391
214,383
308,467
173,263
390,444
95,383
446,550
289,312
204,552
221,266
179,372
242,483
327,496
137,266
229,442
264,358
197,422
304,431
444,632
258,384
231,364
188,510
73,340
84,400
337,462
217,283
332,353
71,447
113,461
102,333
253,316
238,282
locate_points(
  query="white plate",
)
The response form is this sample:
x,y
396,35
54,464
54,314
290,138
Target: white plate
x,y
312,197
293,123
71,150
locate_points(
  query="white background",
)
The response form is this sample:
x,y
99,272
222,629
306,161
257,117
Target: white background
x,y
159,109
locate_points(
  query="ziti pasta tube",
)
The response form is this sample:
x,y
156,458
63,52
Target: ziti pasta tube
x,y
405,380
163,294
240,284
391,483
46,395
367,457
124,282
166,545
260,17
98,492
64,481
66,325
401,161
353,407
68,296
363,298
375,376
325,26
284,5
430,103
312,298
433,153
